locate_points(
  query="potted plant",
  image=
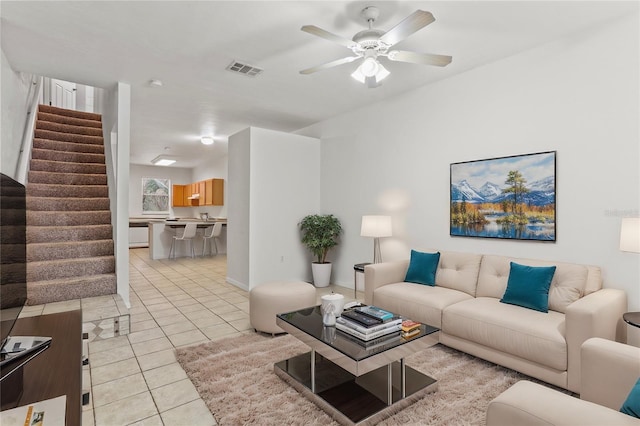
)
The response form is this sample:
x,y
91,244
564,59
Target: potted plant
x,y
320,233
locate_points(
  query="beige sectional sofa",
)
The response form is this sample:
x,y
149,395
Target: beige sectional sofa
x,y
609,371
465,305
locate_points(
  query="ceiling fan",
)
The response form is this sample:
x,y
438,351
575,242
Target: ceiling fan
x,y
372,44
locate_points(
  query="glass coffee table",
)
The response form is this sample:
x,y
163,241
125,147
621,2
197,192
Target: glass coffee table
x,y
354,383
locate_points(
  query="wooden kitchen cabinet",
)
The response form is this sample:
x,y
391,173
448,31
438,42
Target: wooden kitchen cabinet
x,y
218,192
208,192
211,193
177,198
201,191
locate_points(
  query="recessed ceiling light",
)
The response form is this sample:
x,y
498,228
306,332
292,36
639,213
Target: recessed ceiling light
x,y
155,83
206,140
163,160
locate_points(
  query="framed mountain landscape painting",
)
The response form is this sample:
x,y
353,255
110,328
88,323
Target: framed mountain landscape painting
x,y
508,197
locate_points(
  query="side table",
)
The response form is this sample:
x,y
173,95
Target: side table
x,y
632,318
358,267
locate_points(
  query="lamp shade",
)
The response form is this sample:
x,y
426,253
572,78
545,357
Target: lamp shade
x,y
375,226
630,234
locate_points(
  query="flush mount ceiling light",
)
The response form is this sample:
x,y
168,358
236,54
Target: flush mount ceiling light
x,y
206,140
373,44
155,83
163,160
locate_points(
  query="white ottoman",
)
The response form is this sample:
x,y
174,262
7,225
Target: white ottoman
x,y
269,299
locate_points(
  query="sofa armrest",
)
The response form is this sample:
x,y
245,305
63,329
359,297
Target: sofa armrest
x,y
609,371
379,274
598,314
527,403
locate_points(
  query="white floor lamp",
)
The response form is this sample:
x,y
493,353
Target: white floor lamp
x,y
630,241
376,227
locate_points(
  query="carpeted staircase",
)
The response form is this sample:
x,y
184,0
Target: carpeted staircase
x,y
69,235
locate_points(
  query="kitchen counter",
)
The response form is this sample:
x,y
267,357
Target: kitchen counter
x,y
161,234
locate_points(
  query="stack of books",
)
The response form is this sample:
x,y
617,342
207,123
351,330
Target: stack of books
x,y
368,323
410,328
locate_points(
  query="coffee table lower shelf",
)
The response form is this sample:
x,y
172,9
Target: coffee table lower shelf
x,y
349,399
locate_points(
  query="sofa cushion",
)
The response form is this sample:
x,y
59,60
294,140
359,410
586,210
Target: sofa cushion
x,y
458,271
631,405
422,268
528,286
417,302
568,284
525,333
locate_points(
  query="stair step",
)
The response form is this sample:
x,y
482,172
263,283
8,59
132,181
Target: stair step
x,y
64,167
67,191
64,119
42,234
69,250
69,157
67,178
68,146
69,112
68,128
65,204
40,292
67,137
65,268
74,218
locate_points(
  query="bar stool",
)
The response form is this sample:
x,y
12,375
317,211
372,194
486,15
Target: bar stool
x,y
187,235
211,234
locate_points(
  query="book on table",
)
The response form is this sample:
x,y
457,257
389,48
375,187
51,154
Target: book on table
x,y
409,326
375,312
394,329
362,319
367,330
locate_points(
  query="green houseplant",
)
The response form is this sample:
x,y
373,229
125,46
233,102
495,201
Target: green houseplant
x,y
320,234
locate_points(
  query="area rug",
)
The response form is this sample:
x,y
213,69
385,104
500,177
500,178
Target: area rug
x,y
235,378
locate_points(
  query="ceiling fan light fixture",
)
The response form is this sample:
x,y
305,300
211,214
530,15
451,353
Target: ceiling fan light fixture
x,y
369,67
364,75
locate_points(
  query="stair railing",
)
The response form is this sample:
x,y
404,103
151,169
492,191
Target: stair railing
x,y
33,97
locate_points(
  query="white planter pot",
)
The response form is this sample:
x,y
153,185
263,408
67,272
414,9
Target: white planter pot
x,y
321,274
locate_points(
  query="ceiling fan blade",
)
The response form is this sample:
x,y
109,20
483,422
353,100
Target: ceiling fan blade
x,y
312,29
329,65
419,58
409,25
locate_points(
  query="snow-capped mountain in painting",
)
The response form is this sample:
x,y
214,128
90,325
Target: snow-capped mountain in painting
x,y
541,192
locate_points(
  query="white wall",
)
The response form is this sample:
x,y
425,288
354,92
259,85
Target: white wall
x,y
578,96
273,183
238,207
14,89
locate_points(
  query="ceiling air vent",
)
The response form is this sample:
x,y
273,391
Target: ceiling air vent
x,y
245,69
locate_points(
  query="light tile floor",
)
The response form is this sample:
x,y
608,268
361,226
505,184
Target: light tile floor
x,y
135,378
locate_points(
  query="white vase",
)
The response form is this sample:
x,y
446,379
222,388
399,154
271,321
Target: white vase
x,y
321,274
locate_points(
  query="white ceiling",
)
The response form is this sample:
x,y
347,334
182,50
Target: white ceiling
x,y
188,45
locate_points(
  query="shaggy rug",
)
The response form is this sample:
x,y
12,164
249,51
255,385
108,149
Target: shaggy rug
x,y
235,378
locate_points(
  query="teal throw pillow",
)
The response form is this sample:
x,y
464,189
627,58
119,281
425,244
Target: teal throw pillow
x,y
528,286
632,404
422,268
